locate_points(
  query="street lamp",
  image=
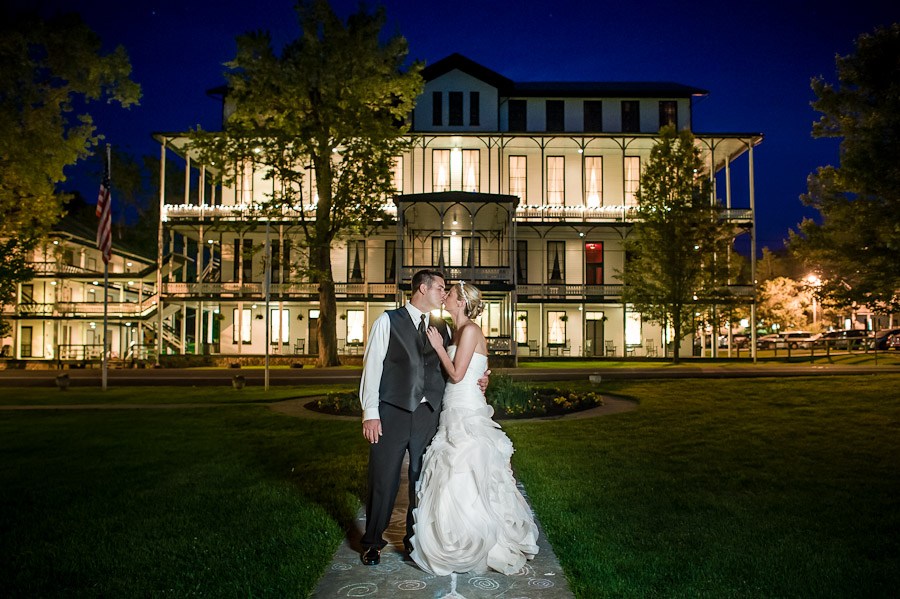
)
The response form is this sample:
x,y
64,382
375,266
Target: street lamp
x,y
814,281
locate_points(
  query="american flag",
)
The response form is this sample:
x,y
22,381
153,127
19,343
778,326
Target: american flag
x,y
104,232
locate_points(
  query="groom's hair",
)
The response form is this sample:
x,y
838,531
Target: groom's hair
x,y
425,276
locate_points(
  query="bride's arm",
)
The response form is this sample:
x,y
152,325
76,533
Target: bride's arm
x,y
465,348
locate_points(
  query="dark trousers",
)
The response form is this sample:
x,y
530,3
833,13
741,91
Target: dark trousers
x,y
402,431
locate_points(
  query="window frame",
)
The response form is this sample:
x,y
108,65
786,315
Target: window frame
x,y
561,192
455,109
521,116
437,109
555,115
587,191
633,124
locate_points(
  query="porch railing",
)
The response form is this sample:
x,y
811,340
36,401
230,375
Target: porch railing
x,y
230,289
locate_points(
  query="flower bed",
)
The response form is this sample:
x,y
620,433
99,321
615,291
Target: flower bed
x,y
510,399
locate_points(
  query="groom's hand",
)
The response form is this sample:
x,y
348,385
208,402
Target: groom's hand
x,y
483,381
372,429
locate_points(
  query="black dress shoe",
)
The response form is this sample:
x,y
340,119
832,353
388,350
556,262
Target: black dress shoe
x,y
408,546
371,557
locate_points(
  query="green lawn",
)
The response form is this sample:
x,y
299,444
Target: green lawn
x,y
160,395
713,488
216,502
730,488
766,358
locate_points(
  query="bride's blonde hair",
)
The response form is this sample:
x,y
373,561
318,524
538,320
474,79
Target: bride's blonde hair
x,y
472,296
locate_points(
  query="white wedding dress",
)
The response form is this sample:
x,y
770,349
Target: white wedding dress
x,y
470,516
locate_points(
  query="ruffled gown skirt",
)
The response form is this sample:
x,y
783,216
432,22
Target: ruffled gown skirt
x,y
470,516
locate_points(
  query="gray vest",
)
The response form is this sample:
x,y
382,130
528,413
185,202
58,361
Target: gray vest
x,y
412,371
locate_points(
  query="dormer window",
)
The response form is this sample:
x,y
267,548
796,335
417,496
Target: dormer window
x,y
456,109
631,116
437,109
668,113
474,108
593,116
518,115
556,116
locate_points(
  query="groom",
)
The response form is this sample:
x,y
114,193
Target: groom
x,y
401,391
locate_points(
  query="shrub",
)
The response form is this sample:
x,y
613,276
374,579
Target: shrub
x,y
341,402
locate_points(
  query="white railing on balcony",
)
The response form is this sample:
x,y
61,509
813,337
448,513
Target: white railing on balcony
x,y
524,213
276,289
479,273
569,291
57,268
247,211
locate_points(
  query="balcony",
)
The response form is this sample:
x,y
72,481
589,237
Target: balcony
x,y
525,213
293,290
561,291
86,309
468,273
57,268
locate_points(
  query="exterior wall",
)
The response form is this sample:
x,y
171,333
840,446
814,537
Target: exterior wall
x,y
457,81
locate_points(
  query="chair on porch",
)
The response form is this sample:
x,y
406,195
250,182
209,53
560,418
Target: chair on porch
x,y
608,348
533,349
650,348
566,349
300,346
342,345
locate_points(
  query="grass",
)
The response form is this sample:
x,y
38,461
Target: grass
x,y
729,488
41,396
713,488
220,502
766,358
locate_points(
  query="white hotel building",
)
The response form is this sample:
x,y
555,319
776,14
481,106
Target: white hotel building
x,y
526,190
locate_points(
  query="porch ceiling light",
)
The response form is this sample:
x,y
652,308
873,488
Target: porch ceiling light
x,y
90,291
96,282
53,282
131,282
128,264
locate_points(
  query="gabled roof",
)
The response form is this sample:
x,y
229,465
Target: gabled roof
x,y
562,89
470,67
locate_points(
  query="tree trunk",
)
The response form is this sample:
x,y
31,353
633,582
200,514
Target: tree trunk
x,y
676,338
321,254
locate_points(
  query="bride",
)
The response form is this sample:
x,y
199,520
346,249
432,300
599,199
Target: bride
x,y
470,516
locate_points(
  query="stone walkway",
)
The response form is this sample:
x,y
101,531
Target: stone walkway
x,y
399,576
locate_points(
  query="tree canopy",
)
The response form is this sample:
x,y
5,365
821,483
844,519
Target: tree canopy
x,y
856,248
48,68
677,258
332,106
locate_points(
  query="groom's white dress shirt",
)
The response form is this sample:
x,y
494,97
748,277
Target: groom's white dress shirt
x,y
373,361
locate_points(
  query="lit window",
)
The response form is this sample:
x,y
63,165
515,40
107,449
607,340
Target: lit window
x,y
355,326
593,180
632,179
518,178
556,327
522,327
243,322
280,334
397,175
556,182
440,160
632,328
471,170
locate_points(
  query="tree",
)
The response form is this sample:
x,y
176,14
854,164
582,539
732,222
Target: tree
x,y
47,67
331,106
785,302
856,247
677,260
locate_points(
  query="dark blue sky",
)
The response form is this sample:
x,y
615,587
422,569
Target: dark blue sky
x,y
755,58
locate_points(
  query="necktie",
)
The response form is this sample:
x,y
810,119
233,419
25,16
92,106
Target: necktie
x,y
422,338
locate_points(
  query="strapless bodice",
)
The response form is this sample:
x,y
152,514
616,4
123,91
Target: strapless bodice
x,y
466,393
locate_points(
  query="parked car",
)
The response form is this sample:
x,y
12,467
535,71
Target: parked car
x,y
893,342
792,339
845,339
882,337
767,341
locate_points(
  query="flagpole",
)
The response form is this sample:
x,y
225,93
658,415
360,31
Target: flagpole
x,y
106,288
268,278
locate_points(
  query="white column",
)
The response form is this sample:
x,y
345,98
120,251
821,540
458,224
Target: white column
x,y
752,253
